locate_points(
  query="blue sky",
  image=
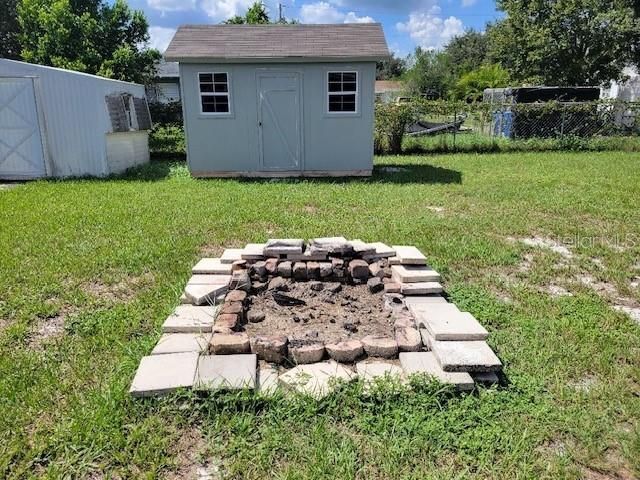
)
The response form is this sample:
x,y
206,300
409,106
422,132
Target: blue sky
x,y
407,23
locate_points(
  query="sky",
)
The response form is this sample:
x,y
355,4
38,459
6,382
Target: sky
x,y
407,23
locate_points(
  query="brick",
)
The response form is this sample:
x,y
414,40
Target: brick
x,y
253,251
226,372
425,363
408,339
413,274
313,270
346,351
392,287
378,346
284,269
359,269
228,321
211,266
190,319
229,344
271,348
309,353
283,246
161,374
236,296
300,271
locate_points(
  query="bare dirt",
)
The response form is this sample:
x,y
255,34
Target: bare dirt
x,y
350,313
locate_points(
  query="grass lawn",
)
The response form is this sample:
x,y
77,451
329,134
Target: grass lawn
x,y
89,269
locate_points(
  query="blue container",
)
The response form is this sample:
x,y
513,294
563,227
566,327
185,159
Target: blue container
x,y
503,123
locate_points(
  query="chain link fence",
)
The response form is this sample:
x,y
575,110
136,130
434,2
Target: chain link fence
x,y
486,126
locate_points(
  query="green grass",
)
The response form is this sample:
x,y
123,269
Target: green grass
x,y
110,257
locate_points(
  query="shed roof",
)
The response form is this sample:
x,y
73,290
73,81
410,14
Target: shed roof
x,y
292,43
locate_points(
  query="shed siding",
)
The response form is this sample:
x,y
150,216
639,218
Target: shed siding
x,y
75,116
227,144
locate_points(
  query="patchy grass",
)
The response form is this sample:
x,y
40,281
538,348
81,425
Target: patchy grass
x,y
110,258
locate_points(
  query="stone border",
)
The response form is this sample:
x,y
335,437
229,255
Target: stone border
x,y
431,335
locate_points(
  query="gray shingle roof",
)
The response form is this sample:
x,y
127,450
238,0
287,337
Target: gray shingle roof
x,y
244,43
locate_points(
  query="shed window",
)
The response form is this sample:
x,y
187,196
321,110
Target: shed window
x,y
342,90
214,92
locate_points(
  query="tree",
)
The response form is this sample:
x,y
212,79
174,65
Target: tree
x,y
90,36
467,52
567,42
430,74
256,14
391,68
9,30
471,85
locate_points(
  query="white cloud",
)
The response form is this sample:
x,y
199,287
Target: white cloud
x,y
468,3
221,10
429,30
172,5
324,12
160,37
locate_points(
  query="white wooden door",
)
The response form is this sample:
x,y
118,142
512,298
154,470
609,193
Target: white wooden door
x,y
21,152
279,121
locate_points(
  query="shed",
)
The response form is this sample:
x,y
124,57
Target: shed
x,y
61,123
166,86
278,100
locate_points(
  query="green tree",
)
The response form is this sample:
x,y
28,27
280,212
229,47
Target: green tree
x,y
467,52
391,68
566,42
9,29
430,74
471,85
256,14
90,36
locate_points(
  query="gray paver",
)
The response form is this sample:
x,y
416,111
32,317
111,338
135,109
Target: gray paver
x,y
413,274
473,356
369,371
283,246
267,378
205,279
226,372
315,379
382,251
426,363
409,255
181,342
230,255
420,288
444,321
190,319
253,251
160,374
204,294
422,299
211,266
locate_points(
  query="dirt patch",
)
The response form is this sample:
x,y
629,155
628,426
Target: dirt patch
x,y
599,286
557,291
585,384
331,312
119,291
633,312
548,243
310,208
189,450
210,251
46,330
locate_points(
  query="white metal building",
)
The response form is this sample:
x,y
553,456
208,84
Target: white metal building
x,y
61,123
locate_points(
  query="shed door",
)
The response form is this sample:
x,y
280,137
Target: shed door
x,y
21,152
279,121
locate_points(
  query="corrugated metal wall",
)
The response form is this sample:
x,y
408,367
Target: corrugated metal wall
x,y
75,116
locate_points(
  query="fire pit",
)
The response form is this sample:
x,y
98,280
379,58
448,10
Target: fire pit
x,y
288,302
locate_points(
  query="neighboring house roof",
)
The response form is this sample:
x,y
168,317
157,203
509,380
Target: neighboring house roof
x,y
167,70
292,43
383,86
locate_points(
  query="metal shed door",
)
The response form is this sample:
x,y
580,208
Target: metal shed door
x,y
21,153
279,121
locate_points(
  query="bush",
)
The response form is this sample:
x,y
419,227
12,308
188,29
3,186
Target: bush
x,y
391,121
167,141
166,113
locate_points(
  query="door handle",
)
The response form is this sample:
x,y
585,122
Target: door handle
x,y
259,124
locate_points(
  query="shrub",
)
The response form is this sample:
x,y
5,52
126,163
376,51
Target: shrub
x,y
166,113
390,124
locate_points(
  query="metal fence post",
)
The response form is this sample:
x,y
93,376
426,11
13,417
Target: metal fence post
x,y
564,109
455,118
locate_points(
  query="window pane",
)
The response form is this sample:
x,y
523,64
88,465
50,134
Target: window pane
x,y
215,103
221,88
349,76
206,77
220,77
335,87
206,87
342,103
335,76
349,87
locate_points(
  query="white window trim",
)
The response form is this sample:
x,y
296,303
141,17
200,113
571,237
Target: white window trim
x,y
357,92
214,94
